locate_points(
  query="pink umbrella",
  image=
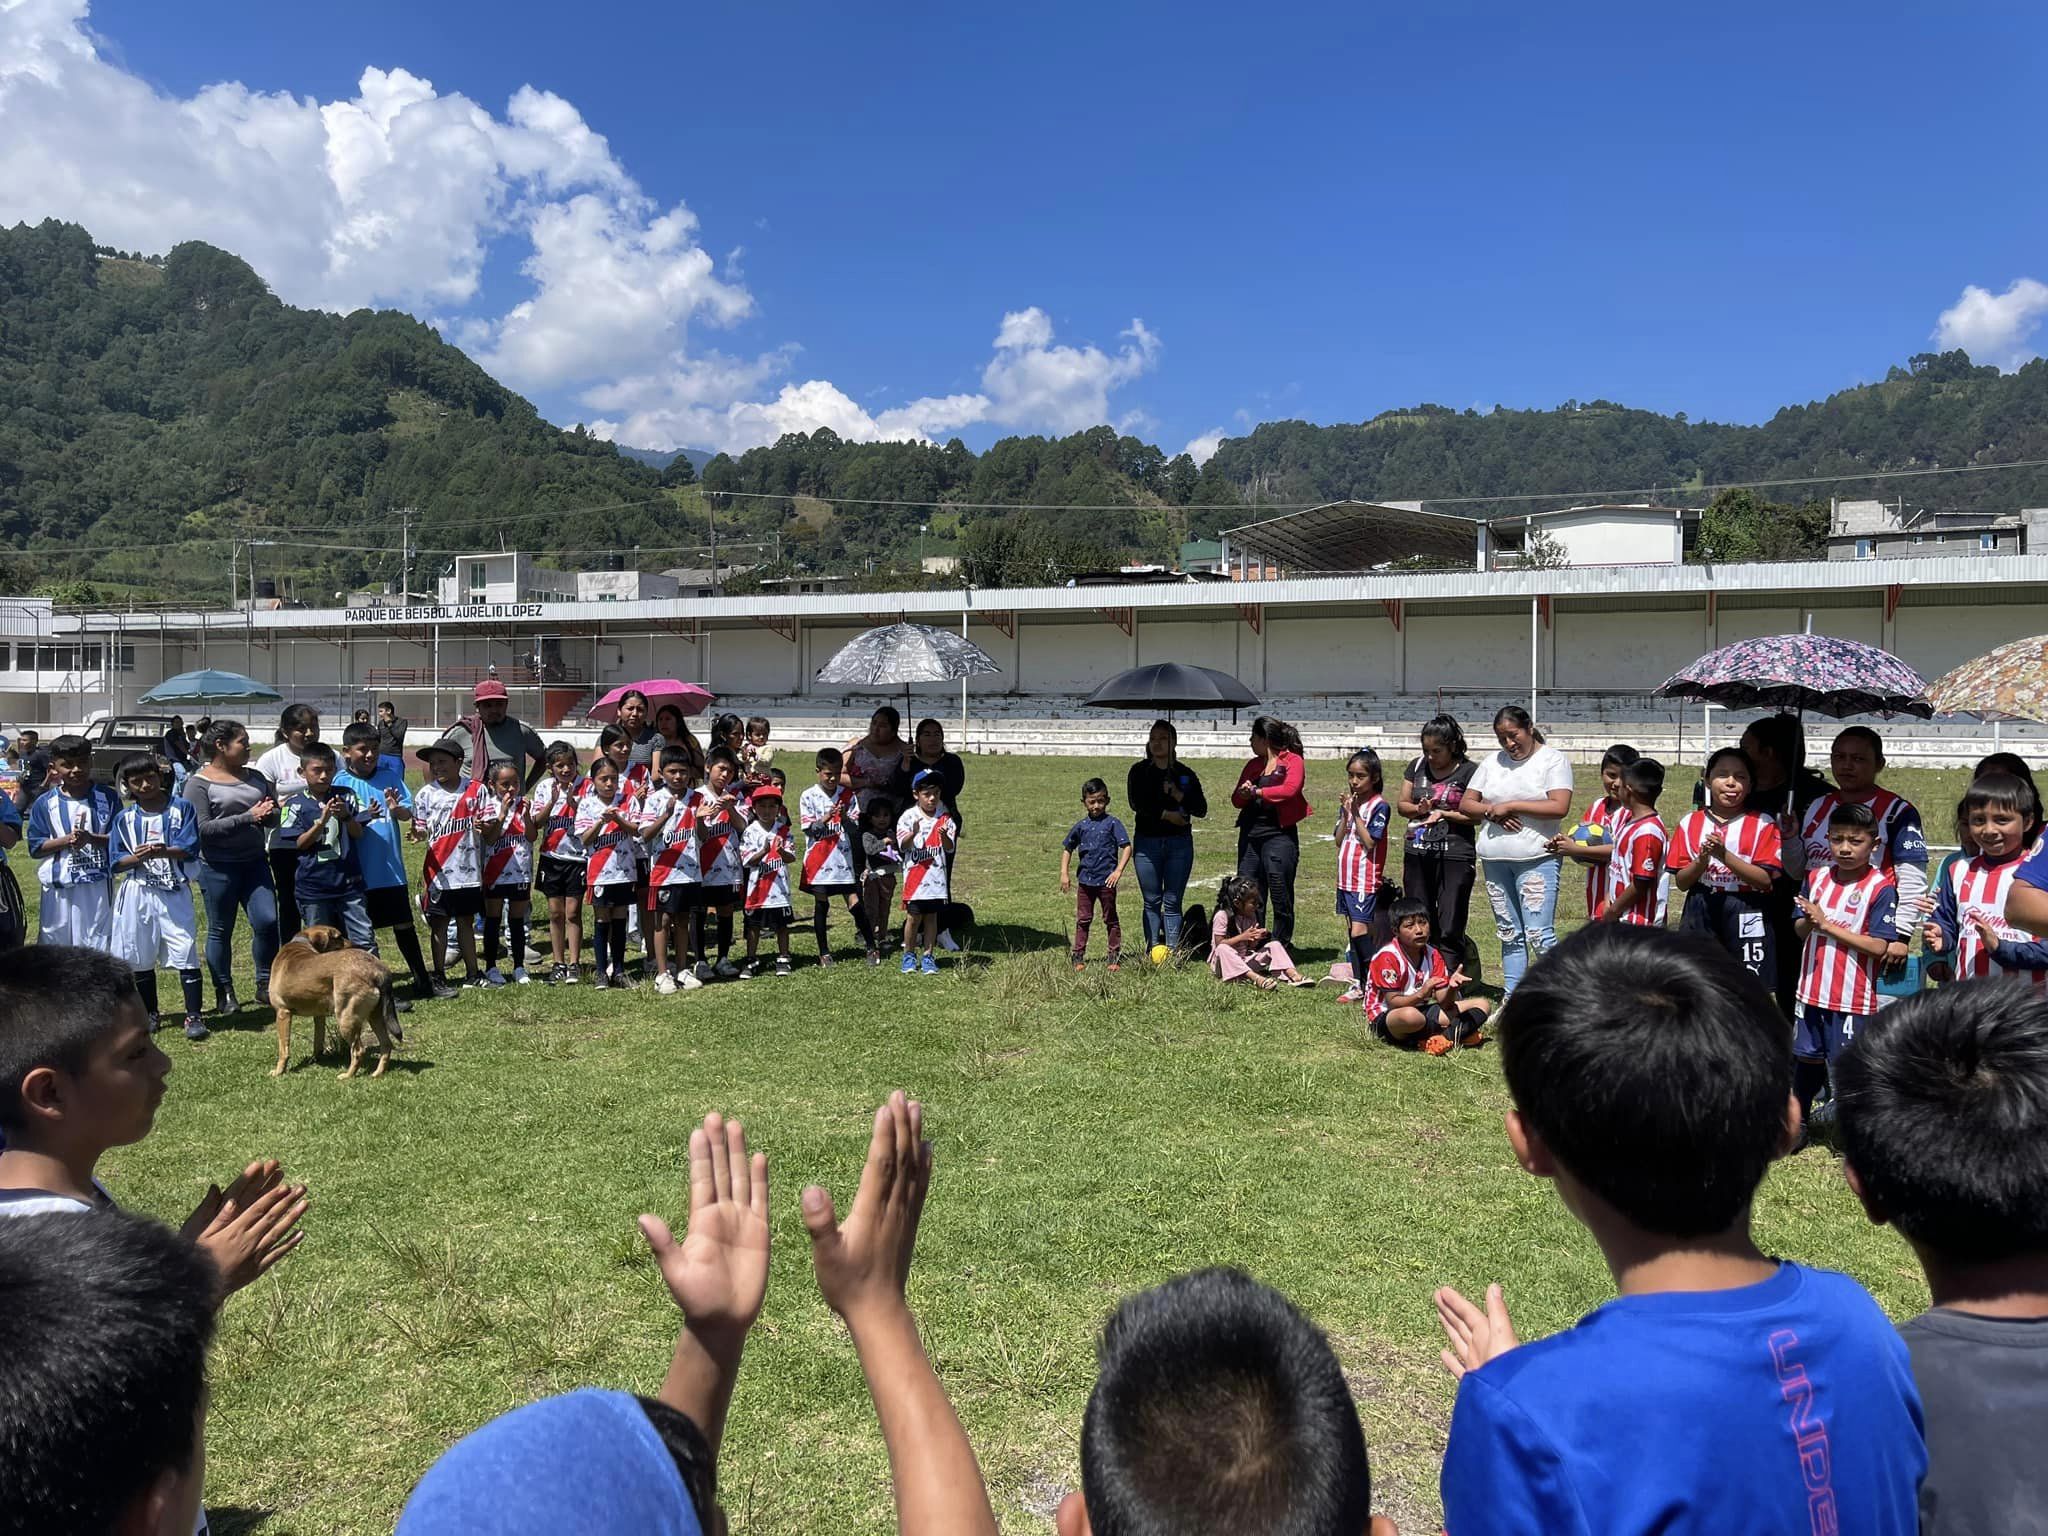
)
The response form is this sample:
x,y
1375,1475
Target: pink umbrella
x,y
690,698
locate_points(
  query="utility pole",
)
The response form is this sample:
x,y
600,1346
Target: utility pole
x,y
405,517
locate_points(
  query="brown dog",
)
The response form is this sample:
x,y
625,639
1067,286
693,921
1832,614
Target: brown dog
x,y
318,973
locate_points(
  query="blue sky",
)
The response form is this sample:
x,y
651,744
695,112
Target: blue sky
x,y
1319,211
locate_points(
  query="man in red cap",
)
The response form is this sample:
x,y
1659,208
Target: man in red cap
x,y
496,737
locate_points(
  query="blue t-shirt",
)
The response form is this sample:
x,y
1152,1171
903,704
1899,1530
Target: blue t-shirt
x,y
329,869
1098,842
378,847
1778,1409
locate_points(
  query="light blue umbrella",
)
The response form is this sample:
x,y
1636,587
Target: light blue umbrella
x,y
208,686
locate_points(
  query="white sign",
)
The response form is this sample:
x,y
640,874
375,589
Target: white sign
x,y
434,613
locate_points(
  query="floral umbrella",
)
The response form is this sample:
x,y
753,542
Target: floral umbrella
x,y
2010,683
1817,672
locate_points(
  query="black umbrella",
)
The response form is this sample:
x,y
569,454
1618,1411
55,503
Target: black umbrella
x,y
1172,685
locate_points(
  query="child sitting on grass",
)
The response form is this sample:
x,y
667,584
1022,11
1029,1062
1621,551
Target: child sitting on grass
x,y
1105,849
1943,1109
1411,995
1723,1390
1240,948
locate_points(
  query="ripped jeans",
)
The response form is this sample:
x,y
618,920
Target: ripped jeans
x,y
1524,897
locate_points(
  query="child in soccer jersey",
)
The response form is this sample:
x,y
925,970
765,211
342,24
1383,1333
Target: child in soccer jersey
x,y
825,812
508,873
1362,817
924,837
445,813
671,859
764,859
69,827
1939,967
155,839
607,821
1635,875
1900,846
881,859
2000,820
551,822
323,822
1411,995
1725,860
1607,814
721,824
1848,919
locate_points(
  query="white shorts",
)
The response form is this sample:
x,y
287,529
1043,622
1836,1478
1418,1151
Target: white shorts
x,y
154,927
76,914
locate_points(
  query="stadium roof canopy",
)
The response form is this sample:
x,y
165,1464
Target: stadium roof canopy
x,y
1358,536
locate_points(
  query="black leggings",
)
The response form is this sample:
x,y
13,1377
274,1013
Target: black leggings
x,y
1445,887
1270,862
284,874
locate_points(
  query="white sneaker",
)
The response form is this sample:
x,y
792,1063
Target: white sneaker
x,y
726,969
494,977
948,943
690,981
665,984
519,975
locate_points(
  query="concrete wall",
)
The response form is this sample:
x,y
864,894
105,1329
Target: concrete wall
x,y
1596,538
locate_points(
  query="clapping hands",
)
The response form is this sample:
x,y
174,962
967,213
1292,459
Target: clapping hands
x,y
863,1264
718,1273
252,1226
1476,1336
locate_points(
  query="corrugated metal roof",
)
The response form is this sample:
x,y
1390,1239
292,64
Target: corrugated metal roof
x,y
1357,536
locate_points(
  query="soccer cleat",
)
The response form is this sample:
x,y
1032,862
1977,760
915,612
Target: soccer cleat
x,y
1116,962
494,977
665,984
195,1029
1466,1042
476,983
747,971
1080,965
1352,994
572,975
519,976
782,965
929,966
909,963
688,981
1437,1045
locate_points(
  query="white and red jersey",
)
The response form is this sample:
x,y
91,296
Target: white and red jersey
x,y
508,860
637,781
1610,815
1900,839
671,823
1393,974
1639,855
1832,975
827,817
1362,846
448,817
611,848
923,841
1748,836
718,837
765,854
552,808
1973,889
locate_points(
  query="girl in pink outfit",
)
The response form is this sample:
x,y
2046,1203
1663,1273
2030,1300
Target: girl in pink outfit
x,y
1239,947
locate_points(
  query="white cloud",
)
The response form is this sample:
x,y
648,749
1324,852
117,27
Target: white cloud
x,y
1995,327
1202,449
1030,381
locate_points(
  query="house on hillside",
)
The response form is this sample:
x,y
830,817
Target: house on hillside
x,y
1880,530
1615,534
510,577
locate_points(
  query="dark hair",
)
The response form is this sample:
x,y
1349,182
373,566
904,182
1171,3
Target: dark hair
x,y
2011,763
928,723
724,726
1172,733
602,764
492,770
387,704
678,757
1093,787
1234,889
1518,717
1738,754
1784,737
361,717
1846,815
869,809
1218,1408
756,720
1405,908
635,693
1446,733
218,734
104,1327
557,750
139,762
671,709
1645,778
70,748
1371,759
360,736
724,755
1277,733
778,778
297,716
2003,792
830,757
889,713
1863,733
1656,1071
613,735
319,751
55,1003
1944,1116
1620,755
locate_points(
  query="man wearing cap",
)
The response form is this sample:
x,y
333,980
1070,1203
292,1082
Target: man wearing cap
x,y
493,736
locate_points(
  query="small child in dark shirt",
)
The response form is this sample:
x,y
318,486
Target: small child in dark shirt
x,y
1105,849
880,860
1942,1106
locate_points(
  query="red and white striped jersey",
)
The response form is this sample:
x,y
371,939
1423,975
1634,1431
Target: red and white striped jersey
x,y
718,837
923,841
764,851
1611,816
1976,888
827,816
1900,839
613,847
1832,975
1748,836
449,818
509,858
1639,855
1362,847
671,859
1393,974
552,808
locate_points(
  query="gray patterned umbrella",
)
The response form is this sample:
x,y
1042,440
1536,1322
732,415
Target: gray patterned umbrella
x,y
897,655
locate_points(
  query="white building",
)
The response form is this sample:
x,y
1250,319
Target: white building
x,y
1635,534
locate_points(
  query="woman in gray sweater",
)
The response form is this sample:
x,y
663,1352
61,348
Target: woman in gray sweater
x,y
233,805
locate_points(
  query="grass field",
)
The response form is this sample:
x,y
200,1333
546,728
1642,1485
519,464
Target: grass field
x,y
471,1243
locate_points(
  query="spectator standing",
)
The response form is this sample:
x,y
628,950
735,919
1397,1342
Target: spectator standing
x,y
643,739
235,805
1442,859
391,735
298,727
674,730
494,735
1521,794
1166,799
35,766
874,762
1270,804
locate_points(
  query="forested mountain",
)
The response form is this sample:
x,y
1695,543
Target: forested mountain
x,y
157,412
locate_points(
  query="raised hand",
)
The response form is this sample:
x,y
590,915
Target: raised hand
x,y
251,1227
863,1265
718,1273
1476,1337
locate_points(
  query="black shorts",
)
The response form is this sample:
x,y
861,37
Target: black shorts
x,y
675,900
510,893
768,917
620,895
559,879
462,903
847,888
390,906
720,895
925,906
1741,922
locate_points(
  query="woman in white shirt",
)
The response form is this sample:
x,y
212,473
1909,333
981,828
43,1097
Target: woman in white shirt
x,y
1521,794
298,727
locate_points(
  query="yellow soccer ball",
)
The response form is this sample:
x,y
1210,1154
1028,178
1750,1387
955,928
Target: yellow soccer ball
x,y
1161,954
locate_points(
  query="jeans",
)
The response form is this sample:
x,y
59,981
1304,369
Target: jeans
x,y
1163,864
1270,862
224,888
1524,897
350,913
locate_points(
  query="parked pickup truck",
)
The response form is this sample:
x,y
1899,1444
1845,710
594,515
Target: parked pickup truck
x,y
116,738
